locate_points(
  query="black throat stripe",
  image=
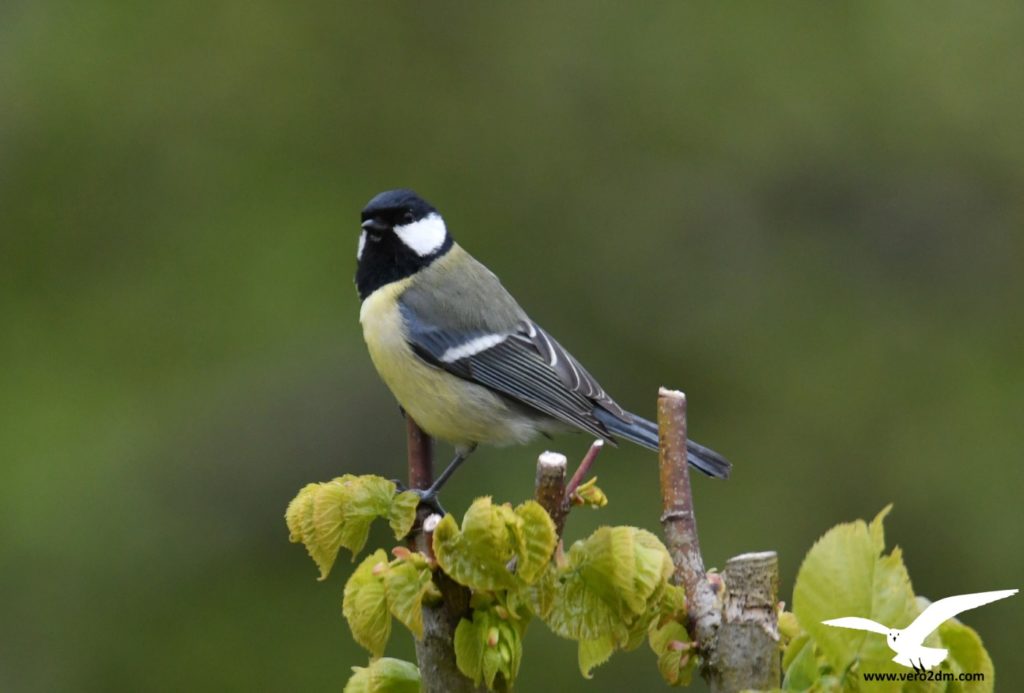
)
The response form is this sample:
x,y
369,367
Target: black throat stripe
x,y
389,260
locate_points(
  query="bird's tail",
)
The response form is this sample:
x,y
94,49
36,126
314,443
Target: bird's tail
x,y
644,432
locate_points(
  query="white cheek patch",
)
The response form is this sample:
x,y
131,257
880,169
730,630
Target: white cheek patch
x,y
362,244
473,346
424,236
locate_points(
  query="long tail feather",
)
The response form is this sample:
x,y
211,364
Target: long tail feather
x,y
645,433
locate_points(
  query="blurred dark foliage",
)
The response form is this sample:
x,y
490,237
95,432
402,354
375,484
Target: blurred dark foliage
x,y
808,216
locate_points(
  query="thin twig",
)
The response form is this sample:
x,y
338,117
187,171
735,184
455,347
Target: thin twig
x,y
678,521
582,470
421,455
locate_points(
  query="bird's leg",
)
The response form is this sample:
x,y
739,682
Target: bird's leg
x,y
429,496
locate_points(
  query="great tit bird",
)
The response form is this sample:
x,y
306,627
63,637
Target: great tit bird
x,y
460,355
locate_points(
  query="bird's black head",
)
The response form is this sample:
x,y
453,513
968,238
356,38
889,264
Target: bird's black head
x,y
393,208
401,234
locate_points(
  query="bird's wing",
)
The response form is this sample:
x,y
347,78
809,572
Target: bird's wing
x,y
523,363
573,375
858,623
944,609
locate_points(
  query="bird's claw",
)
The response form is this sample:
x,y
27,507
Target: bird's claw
x,y
428,499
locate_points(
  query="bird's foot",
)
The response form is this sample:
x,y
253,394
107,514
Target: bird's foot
x,y
428,496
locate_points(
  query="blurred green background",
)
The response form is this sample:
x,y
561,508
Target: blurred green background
x,y
808,216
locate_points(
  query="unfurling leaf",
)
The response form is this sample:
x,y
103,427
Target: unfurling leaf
x,y
365,498
486,646
329,526
402,513
406,583
540,596
299,515
469,650
799,664
365,604
339,512
670,604
653,569
789,626
589,494
301,520
594,653
612,579
477,555
671,643
385,675
538,541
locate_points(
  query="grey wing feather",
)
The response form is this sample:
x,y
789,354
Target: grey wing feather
x,y
521,363
572,374
431,341
515,369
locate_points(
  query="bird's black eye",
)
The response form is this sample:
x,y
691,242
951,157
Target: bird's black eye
x,y
407,218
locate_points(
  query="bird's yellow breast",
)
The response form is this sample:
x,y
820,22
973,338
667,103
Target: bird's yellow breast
x,y
445,406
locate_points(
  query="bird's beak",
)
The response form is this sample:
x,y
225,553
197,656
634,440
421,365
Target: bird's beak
x,y
375,225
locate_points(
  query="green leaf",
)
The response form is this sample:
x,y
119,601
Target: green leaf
x,y
670,603
613,577
653,568
486,646
406,583
671,643
636,632
299,515
594,653
877,529
539,540
477,556
589,494
302,525
579,611
800,665
365,499
469,649
793,647
491,664
402,513
385,675
540,596
845,574
512,642
789,626
365,604
329,502
966,654
339,512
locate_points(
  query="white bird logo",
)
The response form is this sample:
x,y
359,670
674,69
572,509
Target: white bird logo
x,y
908,643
